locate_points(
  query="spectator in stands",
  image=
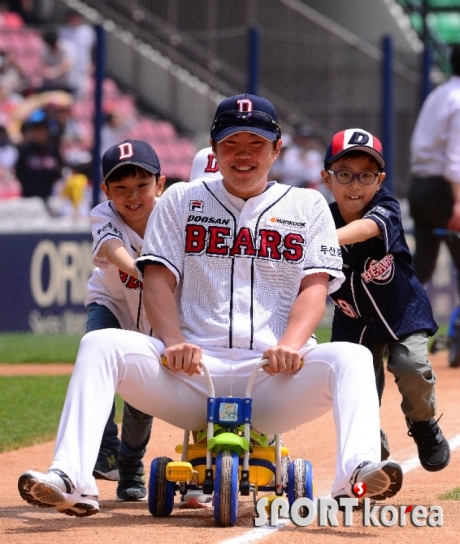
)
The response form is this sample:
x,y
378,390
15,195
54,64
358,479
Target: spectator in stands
x,y
113,130
305,159
8,151
39,163
11,79
8,17
282,170
83,36
67,131
58,58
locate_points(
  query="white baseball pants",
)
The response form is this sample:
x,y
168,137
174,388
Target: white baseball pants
x,y
335,375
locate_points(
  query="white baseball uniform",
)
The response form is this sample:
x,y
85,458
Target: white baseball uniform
x,y
109,286
238,266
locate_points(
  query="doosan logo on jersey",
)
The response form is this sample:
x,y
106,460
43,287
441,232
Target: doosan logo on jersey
x,y
204,219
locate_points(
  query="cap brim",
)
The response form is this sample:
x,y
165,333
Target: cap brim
x,y
144,165
228,131
366,149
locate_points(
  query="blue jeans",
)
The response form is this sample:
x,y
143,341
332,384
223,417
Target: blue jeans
x,y
137,426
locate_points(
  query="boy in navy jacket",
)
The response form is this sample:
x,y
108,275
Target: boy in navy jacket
x,y
381,304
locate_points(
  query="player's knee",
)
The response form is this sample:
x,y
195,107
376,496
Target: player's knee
x,y
95,345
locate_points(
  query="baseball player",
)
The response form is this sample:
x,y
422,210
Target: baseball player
x,y
381,304
205,165
131,182
234,270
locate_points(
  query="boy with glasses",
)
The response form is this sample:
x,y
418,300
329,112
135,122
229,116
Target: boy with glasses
x,y
381,304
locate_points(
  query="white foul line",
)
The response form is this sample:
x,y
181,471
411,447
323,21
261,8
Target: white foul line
x,y
260,532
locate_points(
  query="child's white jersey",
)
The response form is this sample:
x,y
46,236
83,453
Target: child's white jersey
x,y
226,254
108,285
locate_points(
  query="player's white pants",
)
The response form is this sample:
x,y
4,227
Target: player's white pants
x,y
335,375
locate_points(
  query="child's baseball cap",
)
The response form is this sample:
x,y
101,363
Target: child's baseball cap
x,y
204,165
245,113
354,139
135,152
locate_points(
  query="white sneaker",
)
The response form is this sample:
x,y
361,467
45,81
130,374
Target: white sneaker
x,y
195,498
383,480
54,488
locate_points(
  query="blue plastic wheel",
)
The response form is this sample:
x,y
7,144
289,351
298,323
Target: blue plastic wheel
x,y
226,489
300,482
161,491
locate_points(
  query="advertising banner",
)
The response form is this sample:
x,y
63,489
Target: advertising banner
x,y
43,281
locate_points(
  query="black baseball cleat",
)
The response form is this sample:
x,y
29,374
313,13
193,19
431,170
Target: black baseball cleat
x,y
433,448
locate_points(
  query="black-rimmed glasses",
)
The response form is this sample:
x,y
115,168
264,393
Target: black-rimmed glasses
x,y
346,176
258,119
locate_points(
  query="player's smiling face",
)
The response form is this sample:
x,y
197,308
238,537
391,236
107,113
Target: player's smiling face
x,y
353,198
244,160
134,198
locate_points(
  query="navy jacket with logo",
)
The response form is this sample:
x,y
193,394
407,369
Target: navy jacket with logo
x,y
381,300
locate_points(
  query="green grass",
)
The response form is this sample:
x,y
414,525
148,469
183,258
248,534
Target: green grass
x,y
452,495
31,407
19,347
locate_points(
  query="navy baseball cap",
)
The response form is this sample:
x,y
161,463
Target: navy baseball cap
x,y
245,113
135,152
354,139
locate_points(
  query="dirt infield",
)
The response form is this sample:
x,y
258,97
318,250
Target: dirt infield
x,y
124,522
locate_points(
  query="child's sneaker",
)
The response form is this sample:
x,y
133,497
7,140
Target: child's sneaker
x,y
54,488
433,448
131,486
195,498
106,465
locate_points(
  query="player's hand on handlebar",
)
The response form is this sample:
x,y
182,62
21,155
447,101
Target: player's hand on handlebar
x,y
183,357
282,359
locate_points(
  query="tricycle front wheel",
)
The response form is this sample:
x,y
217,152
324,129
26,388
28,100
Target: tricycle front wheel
x,y
226,489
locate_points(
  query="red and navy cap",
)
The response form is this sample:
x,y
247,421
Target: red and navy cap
x,y
135,152
245,113
354,139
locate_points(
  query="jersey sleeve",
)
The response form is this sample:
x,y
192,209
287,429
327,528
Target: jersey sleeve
x,y
323,253
386,212
105,225
164,235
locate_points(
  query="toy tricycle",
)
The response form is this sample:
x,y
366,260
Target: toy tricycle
x,y
233,460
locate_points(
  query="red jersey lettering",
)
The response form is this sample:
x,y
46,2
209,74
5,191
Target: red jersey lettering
x,y
244,244
217,241
130,282
294,247
195,238
270,240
